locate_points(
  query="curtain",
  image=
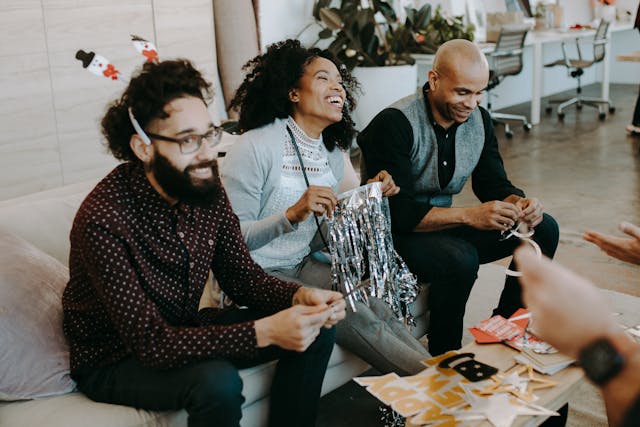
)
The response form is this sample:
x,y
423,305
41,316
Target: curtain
x,y
236,34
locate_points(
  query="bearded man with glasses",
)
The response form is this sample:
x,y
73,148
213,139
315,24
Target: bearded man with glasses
x,y
142,245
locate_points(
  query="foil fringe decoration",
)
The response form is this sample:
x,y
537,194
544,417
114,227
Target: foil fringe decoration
x,y
391,418
360,245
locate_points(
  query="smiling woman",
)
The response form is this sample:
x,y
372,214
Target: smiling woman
x,y
264,95
281,177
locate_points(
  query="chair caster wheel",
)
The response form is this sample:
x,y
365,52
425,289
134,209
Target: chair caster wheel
x,y
579,106
548,110
527,127
509,134
560,116
602,116
612,110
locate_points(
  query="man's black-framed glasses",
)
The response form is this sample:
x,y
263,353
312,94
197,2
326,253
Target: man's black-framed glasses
x,y
191,143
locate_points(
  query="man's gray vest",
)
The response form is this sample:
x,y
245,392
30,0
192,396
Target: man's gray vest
x,y
424,152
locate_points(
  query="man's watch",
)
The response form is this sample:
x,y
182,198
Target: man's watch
x,y
601,361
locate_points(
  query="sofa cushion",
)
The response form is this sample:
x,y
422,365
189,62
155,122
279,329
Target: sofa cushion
x,y
44,221
34,351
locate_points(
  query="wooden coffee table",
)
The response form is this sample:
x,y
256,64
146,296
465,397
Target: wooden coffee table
x,y
502,357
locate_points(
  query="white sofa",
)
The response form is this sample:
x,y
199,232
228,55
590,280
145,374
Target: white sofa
x,y
44,220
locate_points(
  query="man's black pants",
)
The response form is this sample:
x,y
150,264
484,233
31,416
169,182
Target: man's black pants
x,y
211,390
449,261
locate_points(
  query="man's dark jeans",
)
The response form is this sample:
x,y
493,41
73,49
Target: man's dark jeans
x,y
211,390
449,261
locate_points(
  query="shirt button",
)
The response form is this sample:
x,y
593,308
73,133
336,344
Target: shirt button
x,y
210,242
446,135
181,235
444,163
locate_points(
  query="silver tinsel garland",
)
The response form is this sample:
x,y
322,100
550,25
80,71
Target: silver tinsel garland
x,y
391,418
360,242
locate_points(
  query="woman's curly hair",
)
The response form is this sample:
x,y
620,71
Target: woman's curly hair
x,y
263,96
148,93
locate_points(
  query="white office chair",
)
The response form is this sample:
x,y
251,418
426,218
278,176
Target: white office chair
x,y
506,60
576,67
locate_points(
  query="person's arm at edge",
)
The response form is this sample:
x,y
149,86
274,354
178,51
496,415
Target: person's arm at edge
x,y
623,248
623,391
557,296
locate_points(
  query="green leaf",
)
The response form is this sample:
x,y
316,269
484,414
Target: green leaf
x,y
364,17
423,16
411,16
368,39
384,8
319,5
331,19
325,34
337,44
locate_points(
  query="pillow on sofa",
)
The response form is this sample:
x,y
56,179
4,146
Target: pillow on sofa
x,y
34,353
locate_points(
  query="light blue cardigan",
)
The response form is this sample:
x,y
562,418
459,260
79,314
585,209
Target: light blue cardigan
x,y
250,174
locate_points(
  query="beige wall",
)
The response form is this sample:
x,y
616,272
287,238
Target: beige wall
x,y
50,106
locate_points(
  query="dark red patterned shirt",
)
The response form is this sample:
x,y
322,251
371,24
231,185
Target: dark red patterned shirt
x,y
138,267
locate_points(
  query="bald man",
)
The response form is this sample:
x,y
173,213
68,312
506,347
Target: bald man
x,y
431,143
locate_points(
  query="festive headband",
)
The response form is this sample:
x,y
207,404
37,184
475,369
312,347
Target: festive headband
x,y
100,66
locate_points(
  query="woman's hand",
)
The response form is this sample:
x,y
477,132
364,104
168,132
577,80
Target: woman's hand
x,y
389,188
316,200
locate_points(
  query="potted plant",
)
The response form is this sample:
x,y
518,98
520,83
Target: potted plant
x,y
423,33
540,14
357,31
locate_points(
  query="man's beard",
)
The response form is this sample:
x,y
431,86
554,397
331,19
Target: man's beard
x,y
180,184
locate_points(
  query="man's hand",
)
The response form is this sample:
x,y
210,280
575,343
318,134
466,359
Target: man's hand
x,y
389,188
622,248
316,200
292,329
566,310
493,215
531,211
330,300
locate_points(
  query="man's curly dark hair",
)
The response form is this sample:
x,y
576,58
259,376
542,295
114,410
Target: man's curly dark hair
x,y
263,96
147,94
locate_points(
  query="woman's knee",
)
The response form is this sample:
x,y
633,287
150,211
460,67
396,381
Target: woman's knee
x,y
362,324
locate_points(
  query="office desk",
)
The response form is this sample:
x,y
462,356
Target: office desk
x,y
537,39
629,57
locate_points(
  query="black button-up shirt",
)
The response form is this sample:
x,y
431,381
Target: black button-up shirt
x,y
138,267
446,145
386,144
